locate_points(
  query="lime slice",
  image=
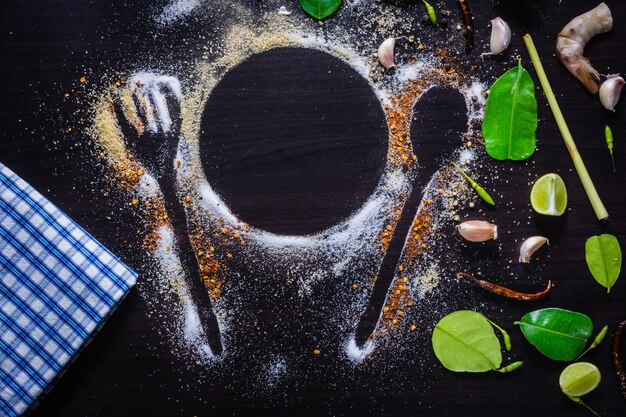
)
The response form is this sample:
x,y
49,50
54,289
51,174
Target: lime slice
x,y
579,379
549,195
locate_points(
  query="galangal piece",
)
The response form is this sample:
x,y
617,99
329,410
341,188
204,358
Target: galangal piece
x,y
571,42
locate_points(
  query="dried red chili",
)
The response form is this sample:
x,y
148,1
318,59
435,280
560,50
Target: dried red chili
x,y
500,290
620,372
469,24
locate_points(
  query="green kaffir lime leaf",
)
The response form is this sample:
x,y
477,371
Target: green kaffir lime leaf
x,y
559,334
464,341
604,259
320,9
510,120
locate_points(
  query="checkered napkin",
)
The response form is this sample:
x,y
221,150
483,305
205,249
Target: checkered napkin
x,y
57,286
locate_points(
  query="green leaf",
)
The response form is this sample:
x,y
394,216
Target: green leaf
x,y
510,118
320,9
464,341
604,259
559,334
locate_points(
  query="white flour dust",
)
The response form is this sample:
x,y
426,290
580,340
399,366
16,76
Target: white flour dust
x,y
176,10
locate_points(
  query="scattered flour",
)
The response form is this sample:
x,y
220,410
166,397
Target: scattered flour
x,y
176,10
356,354
149,91
429,280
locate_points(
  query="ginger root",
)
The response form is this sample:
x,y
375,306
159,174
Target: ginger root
x,y
571,42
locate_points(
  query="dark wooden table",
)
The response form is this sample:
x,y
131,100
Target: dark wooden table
x,y
46,46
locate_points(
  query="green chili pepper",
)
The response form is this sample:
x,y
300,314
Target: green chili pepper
x,y
596,341
431,12
505,336
482,193
600,337
608,136
511,367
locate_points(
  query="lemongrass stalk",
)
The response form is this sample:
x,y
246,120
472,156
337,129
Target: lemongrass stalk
x,y
590,189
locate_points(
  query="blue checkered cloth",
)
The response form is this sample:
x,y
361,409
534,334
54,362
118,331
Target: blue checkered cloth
x,y
57,286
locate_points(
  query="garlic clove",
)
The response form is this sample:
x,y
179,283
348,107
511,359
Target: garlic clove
x,y
283,11
610,91
529,247
478,230
500,36
385,52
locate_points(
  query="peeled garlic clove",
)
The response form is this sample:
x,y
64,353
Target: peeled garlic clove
x,y
529,247
385,52
500,36
610,91
478,230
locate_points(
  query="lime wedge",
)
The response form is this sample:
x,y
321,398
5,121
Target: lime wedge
x,y
549,195
579,379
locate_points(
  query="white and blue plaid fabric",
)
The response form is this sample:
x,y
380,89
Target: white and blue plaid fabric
x,y
57,286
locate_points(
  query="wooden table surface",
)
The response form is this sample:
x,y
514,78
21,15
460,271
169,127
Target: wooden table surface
x,y
46,46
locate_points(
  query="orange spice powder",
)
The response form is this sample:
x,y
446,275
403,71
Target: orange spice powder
x,y
399,114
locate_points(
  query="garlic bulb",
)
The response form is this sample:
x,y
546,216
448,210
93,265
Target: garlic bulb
x,y
478,230
529,247
385,52
500,36
610,91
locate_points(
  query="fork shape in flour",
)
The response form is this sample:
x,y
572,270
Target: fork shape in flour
x,y
151,133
